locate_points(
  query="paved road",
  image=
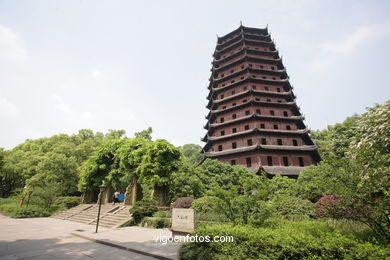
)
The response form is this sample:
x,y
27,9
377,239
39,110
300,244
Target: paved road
x,y
48,238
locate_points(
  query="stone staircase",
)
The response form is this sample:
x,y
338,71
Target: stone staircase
x,y
111,216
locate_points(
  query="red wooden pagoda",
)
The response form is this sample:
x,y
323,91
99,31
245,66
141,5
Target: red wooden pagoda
x,y
254,120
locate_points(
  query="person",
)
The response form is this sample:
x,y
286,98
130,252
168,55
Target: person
x,y
116,197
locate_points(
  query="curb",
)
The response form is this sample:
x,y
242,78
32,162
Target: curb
x,y
122,247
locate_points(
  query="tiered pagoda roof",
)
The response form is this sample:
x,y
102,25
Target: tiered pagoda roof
x,y
251,99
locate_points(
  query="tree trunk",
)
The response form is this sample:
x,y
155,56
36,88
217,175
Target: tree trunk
x,y
133,192
161,195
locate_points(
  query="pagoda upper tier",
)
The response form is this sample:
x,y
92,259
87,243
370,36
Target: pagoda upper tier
x,y
253,117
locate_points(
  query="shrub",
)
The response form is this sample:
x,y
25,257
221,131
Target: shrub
x,y
204,204
32,211
281,240
163,214
67,202
292,207
156,222
184,202
141,209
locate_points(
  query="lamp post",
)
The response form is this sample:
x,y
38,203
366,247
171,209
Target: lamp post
x,y
28,198
101,188
23,196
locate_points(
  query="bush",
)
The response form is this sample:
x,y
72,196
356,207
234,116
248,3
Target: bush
x,y
141,209
32,211
156,222
184,202
292,208
163,214
204,204
67,202
280,240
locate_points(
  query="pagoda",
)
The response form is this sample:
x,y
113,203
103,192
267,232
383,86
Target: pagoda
x,y
254,120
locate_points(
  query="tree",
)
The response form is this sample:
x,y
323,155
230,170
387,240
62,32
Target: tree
x,y
191,152
146,134
160,160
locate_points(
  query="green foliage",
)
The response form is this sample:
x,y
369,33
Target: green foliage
x,y
146,134
304,240
192,153
293,208
186,182
281,185
10,207
204,204
67,202
141,209
153,222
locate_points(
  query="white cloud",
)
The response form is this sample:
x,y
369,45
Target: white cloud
x,y
11,45
354,40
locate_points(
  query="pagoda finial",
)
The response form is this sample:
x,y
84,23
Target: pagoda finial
x,y
240,23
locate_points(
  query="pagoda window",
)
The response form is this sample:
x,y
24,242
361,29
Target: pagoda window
x,y
251,65
269,160
222,96
223,85
285,161
272,68
248,162
258,111
222,119
219,148
224,107
257,99
249,142
245,88
247,112
242,77
279,101
243,66
285,113
278,89
295,142
253,87
288,127
244,101
271,112
268,100
233,92
266,88
253,76
263,141
280,142
222,75
262,126
232,81
233,162
264,77
261,67
301,162
276,127
234,145
222,133
273,78
234,130
232,71
246,127
234,116
234,104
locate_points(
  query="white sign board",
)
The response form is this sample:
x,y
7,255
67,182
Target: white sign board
x,y
183,220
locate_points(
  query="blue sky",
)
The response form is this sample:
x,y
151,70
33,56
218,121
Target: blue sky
x,y
67,65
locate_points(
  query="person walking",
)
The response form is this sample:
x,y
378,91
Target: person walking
x,y
116,197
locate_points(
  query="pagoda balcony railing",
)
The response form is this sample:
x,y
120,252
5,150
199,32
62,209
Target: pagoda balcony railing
x,y
255,130
242,41
250,103
239,51
244,93
247,59
249,69
255,116
303,148
251,79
